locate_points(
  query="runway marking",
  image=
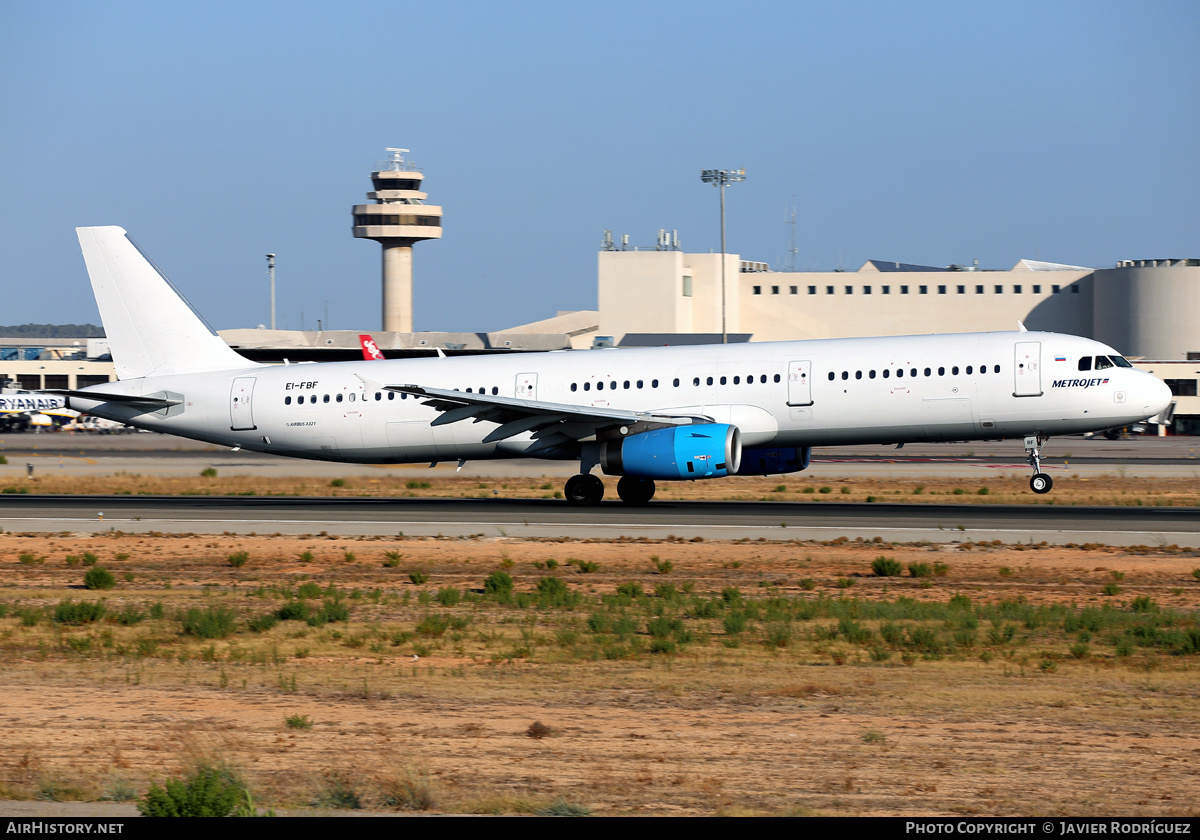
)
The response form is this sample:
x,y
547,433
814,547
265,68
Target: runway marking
x,y
503,526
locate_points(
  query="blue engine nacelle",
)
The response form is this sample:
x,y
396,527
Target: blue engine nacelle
x,y
702,450
772,461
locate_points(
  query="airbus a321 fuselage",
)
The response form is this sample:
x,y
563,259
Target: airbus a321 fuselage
x,y
670,413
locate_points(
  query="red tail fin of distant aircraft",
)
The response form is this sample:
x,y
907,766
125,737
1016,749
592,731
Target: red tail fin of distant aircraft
x,y
370,348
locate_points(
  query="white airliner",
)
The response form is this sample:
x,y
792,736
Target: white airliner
x,y
658,414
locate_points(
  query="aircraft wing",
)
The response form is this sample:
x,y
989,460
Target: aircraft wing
x,y
552,424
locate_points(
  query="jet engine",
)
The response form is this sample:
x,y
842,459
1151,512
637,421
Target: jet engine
x,y
774,460
702,450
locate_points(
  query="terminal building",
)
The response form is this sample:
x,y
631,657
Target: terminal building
x,y
1149,310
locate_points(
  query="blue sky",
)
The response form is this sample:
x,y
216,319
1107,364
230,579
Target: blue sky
x,y
927,132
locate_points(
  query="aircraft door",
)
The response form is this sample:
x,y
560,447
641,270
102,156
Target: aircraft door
x,y
1027,369
527,386
241,405
800,382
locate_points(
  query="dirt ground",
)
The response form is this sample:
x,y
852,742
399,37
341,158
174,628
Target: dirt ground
x,y
716,728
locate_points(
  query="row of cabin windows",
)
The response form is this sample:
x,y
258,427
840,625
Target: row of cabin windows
x,y
921,290
313,399
899,374
675,383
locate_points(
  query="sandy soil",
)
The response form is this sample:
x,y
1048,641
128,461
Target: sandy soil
x,y
712,730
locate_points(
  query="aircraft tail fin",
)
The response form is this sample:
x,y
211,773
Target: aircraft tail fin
x,y
152,330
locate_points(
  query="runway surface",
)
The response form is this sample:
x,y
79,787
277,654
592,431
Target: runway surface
x,y
610,520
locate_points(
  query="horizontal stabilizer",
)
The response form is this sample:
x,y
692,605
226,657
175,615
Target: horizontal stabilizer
x,y
126,398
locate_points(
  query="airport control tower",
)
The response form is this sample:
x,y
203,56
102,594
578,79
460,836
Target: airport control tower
x,y
399,218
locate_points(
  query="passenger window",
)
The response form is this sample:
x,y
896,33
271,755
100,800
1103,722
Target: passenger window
x,y
696,382
300,400
722,380
599,386
928,372
845,374
654,383
287,400
996,369
830,376
777,377
941,371
858,374
391,395
899,373
737,380
675,383
1085,363
626,385
871,374
326,398
574,386
954,370
339,397
886,374
969,369
710,380
587,386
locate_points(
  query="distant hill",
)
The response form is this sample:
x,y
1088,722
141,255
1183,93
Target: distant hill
x,y
52,331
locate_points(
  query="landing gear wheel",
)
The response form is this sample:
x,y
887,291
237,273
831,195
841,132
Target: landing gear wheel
x,y
635,491
1040,483
584,490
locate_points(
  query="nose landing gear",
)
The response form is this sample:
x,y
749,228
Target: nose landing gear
x,y
1040,483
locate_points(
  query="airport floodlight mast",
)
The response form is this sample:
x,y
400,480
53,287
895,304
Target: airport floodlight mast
x,y
271,272
722,178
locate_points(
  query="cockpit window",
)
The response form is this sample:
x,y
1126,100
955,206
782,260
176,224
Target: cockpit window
x,y
1102,362
1120,361
1085,363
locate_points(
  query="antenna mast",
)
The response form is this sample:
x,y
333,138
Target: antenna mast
x,y
792,251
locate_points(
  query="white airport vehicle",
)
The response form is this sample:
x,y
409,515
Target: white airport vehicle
x,y
656,414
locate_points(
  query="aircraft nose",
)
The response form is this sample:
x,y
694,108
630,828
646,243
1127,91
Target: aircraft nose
x,y
1157,396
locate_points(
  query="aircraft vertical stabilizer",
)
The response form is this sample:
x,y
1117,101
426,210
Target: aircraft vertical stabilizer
x,y
152,330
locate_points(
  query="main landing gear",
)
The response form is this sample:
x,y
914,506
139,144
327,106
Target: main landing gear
x,y
635,491
1040,483
584,490
589,490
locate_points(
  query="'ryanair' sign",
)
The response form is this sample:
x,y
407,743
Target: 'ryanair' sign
x,y
30,402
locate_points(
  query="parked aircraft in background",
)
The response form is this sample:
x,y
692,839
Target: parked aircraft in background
x,y
656,414
370,348
21,409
